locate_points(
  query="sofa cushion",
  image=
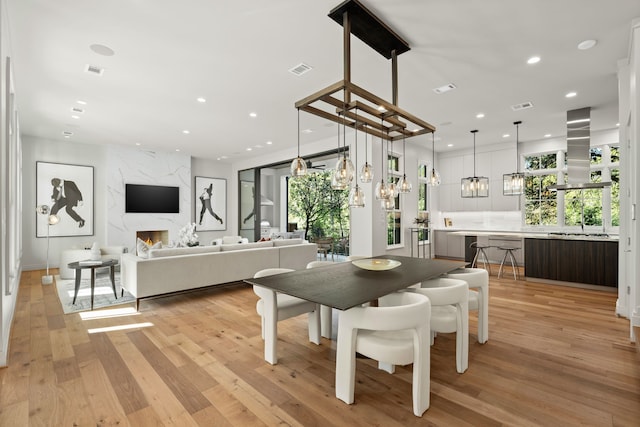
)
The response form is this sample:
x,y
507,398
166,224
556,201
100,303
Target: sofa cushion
x,y
287,242
241,246
142,248
164,252
228,240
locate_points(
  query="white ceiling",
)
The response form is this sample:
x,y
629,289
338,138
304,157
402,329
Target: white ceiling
x,y
237,55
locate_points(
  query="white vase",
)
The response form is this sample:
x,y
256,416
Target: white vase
x,y
95,254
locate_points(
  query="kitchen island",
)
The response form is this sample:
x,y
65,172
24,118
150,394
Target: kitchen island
x,y
581,258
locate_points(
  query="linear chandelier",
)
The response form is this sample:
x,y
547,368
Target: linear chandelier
x,y
376,116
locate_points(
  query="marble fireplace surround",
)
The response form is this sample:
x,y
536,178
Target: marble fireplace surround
x,y
139,166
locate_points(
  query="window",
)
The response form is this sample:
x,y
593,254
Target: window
x,y
541,206
540,162
590,200
599,207
394,217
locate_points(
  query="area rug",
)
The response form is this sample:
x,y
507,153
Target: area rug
x,y
102,295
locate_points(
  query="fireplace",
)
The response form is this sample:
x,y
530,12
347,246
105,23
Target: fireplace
x,y
154,236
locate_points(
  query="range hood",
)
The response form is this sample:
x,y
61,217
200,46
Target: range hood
x,y
578,152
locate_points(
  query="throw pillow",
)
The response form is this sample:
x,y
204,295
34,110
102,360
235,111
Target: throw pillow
x,y
142,247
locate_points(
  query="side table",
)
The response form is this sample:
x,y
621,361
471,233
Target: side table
x,y
78,266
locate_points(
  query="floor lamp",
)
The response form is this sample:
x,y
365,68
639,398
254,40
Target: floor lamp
x,y
51,220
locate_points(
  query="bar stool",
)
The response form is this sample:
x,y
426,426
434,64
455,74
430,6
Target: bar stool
x,y
481,256
508,253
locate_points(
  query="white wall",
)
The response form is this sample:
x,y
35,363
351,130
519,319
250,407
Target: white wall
x,y
10,231
629,110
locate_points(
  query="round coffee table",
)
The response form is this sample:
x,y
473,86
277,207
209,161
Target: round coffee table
x,y
78,266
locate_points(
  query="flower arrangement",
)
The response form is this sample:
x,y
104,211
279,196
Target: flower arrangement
x,y
422,220
188,236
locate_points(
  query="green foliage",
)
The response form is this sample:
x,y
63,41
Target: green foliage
x,y
317,208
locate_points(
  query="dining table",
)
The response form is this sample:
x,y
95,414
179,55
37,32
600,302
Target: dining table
x,y
345,285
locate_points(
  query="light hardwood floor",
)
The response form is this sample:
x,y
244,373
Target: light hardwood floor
x,y
556,356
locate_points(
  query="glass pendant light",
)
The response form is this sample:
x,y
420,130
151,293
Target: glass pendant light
x,y
298,165
404,186
381,187
434,176
356,195
474,186
391,186
366,173
513,183
336,183
344,167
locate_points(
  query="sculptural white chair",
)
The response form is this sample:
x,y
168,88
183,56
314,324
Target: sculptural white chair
x,y
326,313
394,333
478,281
449,313
287,306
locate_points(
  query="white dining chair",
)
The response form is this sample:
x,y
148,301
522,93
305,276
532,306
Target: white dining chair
x,y
286,306
394,333
478,281
449,313
326,313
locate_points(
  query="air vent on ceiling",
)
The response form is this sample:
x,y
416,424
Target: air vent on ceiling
x,y
67,133
94,69
300,69
522,106
77,110
445,88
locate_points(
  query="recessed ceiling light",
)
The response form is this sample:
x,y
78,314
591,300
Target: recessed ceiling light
x,y
201,99
479,115
547,135
306,131
177,149
449,145
269,142
533,60
249,149
75,117
252,114
81,102
617,124
101,49
138,144
186,132
506,135
587,44
571,94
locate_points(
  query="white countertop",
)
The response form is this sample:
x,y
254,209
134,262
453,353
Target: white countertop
x,y
534,234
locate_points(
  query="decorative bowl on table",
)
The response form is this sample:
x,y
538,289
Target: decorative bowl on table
x,y
376,264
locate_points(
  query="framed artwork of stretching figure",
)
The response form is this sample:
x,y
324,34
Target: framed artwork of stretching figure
x,y
210,204
68,191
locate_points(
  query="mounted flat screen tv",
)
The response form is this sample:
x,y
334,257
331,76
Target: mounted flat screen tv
x,y
151,199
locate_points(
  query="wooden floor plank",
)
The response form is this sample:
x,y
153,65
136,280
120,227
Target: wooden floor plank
x,y
556,356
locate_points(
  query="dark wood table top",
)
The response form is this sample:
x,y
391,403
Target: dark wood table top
x,y
98,264
344,285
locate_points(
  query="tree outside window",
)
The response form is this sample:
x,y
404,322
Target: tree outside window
x,y
318,208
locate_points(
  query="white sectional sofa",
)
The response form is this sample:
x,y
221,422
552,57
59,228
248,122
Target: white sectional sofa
x,y
171,270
